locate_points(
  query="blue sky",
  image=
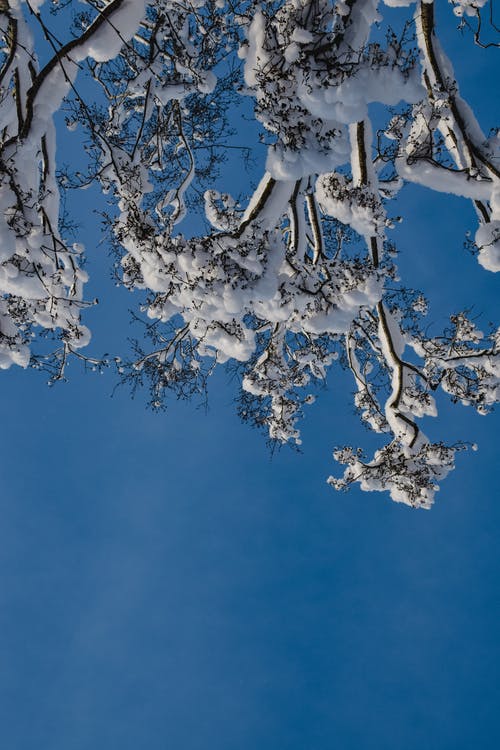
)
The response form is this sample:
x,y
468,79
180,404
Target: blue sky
x,y
167,584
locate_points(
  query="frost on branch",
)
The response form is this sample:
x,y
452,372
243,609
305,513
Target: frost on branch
x,y
284,279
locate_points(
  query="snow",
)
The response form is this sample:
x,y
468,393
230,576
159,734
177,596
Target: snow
x,y
488,241
488,235
255,56
467,7
444,180
119,28
358,207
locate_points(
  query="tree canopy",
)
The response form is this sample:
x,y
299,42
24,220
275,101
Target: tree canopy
x,y
353,99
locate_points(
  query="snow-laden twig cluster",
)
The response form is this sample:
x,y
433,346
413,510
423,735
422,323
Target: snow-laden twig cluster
x,y
40,275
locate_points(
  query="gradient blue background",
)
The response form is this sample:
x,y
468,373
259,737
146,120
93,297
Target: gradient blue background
x,y
166,584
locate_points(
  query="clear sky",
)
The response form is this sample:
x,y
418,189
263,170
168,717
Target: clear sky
x,y
166,584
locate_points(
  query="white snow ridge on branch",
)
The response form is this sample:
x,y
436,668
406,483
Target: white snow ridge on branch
x,y
287,279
